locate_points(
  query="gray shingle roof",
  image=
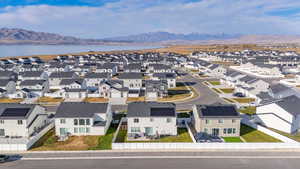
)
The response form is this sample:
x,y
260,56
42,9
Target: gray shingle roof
x,y
62,75
151,109
130,76
32,82
217,110
291,104
80,109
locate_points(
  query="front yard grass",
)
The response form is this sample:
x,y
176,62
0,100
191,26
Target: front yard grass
x,y
96,99
214,83
8,100
248,110
250,134
136,99
227,90
49,142
295,137
182,136
243,100
232,139
216,90
50,99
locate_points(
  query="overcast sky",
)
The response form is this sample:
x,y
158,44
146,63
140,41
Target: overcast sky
x,y
107,18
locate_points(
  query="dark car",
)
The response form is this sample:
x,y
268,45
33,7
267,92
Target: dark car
x,y
239,94
3,158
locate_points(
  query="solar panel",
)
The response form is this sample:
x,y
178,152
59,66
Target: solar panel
x,y
15,112
162,111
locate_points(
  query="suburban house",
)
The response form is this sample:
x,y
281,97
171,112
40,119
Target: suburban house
x,y
282,114
34,88
216,70
94,79
21,120
155,89
56,77
132,80
82,118
279,91
217,120
8,75
72,84
133,68
107,68
8,85
146,119
33,75
169,77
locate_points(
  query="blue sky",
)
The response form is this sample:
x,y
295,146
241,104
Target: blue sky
x,y
106,18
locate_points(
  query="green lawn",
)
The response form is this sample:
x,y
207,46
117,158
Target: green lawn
x,y
183,115
183,136
244,100
295,137
232,139
227,90
248,110
49,142
228,100
250,134
216,90
214,83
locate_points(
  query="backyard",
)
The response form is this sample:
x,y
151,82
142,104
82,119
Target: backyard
x,y
50,99
227,90
243,100
8,100
250,110
295,137
49,142
250,134
214,83
182,136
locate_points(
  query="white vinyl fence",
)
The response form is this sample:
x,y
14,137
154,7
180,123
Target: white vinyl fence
x,y
203,146
22,144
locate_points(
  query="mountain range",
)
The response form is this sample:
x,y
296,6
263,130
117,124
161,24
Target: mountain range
x,y
22,36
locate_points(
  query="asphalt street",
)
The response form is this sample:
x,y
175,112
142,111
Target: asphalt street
x,y
206,96
156,160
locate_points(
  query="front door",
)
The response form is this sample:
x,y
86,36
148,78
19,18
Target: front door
x,y
215,132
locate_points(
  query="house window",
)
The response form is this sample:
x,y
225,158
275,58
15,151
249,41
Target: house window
x,y
205,130
20,122
229,130
233,120
81,129
87,121
233,130
206,121
63,131
62,121
225,131
81,121
221,121
87,130
135,129
75,122
169,120
2,132
135,120
1,121
75,130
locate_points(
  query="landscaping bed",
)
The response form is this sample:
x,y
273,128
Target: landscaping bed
x,y
214,83
96,99
227,90
183,136
135,99
250,134
50,99
243,100
8,100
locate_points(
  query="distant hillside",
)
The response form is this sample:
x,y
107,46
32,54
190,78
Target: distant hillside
x,y
166,36
22,36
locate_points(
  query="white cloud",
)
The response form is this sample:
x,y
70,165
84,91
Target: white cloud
x,y
134,16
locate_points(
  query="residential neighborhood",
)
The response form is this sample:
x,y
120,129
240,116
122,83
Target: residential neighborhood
x,y
131,98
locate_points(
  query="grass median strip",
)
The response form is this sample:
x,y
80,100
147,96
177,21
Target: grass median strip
x,y
232,139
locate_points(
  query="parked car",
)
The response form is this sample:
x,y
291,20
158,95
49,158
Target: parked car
x,y
3,158
239,94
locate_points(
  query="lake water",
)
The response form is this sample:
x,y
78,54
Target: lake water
x,y
27,50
